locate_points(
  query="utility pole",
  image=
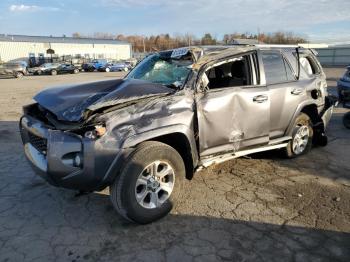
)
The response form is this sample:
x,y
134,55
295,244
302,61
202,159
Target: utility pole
x,y
258,35
144,46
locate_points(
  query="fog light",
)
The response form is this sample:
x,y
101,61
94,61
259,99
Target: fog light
x,y
78,161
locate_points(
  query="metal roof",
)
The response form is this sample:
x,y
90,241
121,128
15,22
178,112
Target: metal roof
x,y
55,39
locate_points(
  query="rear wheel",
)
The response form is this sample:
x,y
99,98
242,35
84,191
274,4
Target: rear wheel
x,y
150,182
53,72
301,141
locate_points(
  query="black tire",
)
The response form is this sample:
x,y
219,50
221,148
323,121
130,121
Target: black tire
x,y
301,121
122,191
346,120
53,72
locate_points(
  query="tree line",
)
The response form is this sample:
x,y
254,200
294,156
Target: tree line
x,y
166,41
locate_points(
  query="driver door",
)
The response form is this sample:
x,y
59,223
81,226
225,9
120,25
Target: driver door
x,y
233,109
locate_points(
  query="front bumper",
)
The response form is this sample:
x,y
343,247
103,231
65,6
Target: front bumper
x,y
65,159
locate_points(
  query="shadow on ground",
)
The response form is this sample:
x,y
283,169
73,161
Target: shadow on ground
x,y
261,209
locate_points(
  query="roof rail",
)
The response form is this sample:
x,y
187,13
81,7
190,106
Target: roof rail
x,y
278,46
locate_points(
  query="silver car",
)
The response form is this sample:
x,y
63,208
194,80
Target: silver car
x,y
176,112
14,69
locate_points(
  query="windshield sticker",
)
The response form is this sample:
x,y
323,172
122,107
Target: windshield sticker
x,y
179,52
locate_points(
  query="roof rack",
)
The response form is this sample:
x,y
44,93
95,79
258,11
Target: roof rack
x,y
278,46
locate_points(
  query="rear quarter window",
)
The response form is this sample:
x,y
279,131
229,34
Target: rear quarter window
x,y
277,70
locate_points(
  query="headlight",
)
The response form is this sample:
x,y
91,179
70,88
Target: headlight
x,y
97,132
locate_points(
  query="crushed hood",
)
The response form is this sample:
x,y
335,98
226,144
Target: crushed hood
x,y
69,103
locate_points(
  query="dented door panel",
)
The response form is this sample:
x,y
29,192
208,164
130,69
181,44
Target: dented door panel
x,y
232,119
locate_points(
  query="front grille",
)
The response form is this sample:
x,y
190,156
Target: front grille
x,y
38,142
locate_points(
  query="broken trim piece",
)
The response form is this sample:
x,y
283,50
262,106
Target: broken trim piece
x,y
225,157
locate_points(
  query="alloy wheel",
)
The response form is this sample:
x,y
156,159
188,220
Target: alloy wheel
x,y
155,184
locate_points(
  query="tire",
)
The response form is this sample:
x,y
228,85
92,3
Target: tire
x,y
108,70
19,74
53,72
126,69
126,187
76,71
302,134
346,120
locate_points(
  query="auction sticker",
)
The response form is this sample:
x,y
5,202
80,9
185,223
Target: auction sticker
x,y
179,52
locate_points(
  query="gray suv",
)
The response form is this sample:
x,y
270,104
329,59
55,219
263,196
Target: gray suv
x,y
176,112
15,69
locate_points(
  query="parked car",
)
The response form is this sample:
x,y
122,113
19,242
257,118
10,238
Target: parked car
x,y
60,69
176,112
38,70
14,69
96,64
344,87
115,67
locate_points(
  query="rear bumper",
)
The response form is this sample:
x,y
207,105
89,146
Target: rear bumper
x,y
6,72
67,160
326,114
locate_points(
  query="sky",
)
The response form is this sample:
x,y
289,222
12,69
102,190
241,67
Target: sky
x,y
321,21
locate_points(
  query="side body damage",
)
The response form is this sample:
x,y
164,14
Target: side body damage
x,y
203,118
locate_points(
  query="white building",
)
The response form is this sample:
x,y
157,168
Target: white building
x,y
20,47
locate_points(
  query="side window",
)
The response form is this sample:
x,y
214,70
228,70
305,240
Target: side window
x,y
309,64
236,72
277,70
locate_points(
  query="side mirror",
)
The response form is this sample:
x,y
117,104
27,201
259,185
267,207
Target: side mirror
x,y
204,82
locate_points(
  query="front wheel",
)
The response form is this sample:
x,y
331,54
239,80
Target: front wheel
x,y
108,69
53,72
302,135
150,182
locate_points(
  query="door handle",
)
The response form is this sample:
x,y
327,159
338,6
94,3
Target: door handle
x,y
260,99
296,91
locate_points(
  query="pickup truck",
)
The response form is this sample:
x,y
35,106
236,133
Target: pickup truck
x,y
176,112
95,64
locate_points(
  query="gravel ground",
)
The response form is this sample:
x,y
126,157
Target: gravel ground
x,y
259,208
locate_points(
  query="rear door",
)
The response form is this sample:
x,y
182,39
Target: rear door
x,y
234,109
286,92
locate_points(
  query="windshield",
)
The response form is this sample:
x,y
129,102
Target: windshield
x,y
163,69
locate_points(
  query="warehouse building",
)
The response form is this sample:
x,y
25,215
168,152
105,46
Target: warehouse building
x,y
42,48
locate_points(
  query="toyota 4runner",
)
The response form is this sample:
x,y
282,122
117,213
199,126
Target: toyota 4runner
x,y
177,111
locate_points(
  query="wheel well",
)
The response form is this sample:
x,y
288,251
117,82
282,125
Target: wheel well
x,y
318,125
311,111
180,143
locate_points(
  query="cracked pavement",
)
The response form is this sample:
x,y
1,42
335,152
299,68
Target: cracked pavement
x,y
259,208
